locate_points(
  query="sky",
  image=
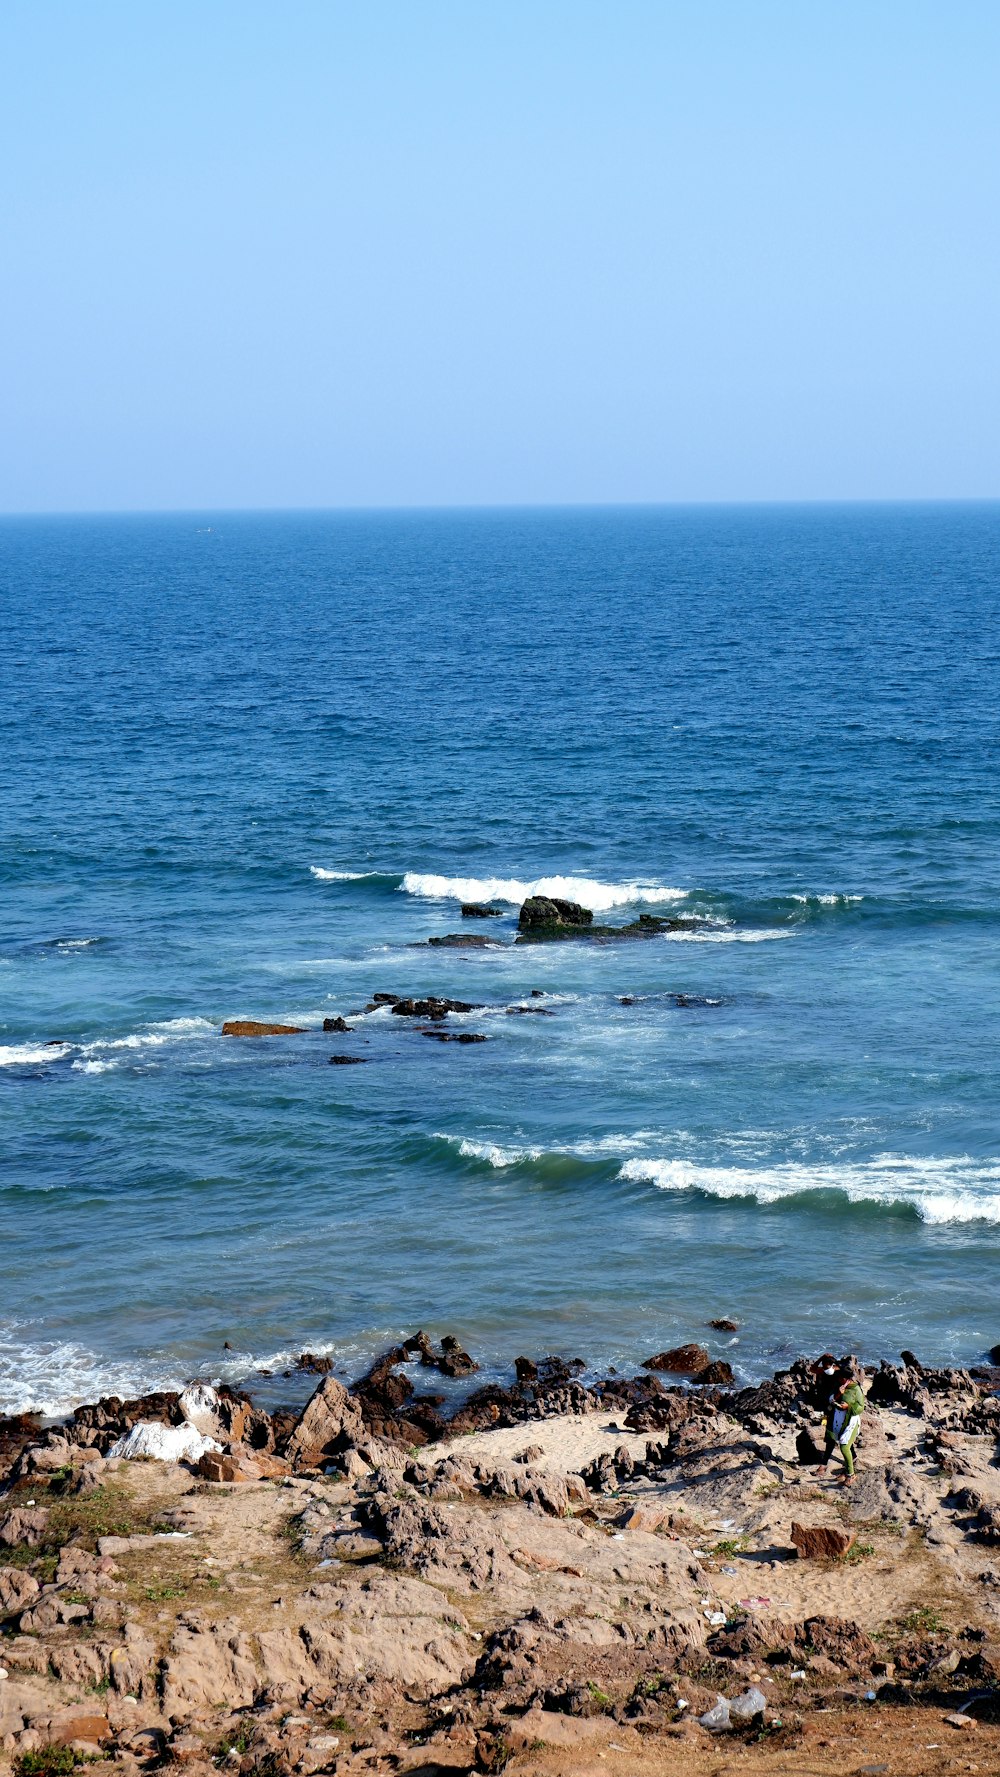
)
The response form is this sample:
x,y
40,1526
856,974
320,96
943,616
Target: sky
x,y
450,252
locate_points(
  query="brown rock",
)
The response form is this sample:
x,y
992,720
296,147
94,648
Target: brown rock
x,y
66,1728
682,1360
821,1542
725,1326
17,1590
717,1374
340,1025
328,1415
252,1027
24,1526
644,1517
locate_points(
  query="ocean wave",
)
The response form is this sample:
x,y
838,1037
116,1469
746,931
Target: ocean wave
x,y
599,896
827,900
52,1376
155,1036
725,935
31,1054
940,1191
322,875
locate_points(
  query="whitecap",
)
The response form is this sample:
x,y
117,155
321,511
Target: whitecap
x,y
599,896
322,875
30,1054
939,1190
724,935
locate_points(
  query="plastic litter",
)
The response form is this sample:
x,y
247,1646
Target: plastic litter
x,y
748,1704
798,1673
716,1719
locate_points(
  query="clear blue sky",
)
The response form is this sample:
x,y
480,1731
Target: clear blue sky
x,y
452,251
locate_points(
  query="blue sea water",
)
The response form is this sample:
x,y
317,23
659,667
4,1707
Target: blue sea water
x,y
252,763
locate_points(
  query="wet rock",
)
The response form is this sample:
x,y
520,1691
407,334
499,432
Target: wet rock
x,y
821,1542
347,1060
314,1364
541,913
253,1027
725,1326
454,1361
340,1025
681,1360
480,910
529,1011
717,1374
431,1007
461,941
461,1036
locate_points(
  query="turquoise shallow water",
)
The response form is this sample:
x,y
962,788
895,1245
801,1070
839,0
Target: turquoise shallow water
x,y
250,765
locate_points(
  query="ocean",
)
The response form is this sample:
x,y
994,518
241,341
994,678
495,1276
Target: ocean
x,y
252,763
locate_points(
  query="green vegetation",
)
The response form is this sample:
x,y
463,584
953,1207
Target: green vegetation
x,y
921,1621
600,1697
46,1761
731,1545
858,1552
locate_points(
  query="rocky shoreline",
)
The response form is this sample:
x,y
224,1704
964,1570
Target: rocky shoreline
x,y
640,1570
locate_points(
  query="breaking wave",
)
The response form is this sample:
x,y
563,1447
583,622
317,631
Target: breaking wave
x,y
599,896
31,1054
940,1191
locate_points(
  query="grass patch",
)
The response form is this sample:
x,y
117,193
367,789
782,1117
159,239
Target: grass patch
x,y
238,1739
731,1545
600,1697
923,1620
46,1761
858,1552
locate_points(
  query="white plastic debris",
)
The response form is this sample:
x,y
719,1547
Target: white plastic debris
x,y
716,1719
165,1443
748,1704
798,1673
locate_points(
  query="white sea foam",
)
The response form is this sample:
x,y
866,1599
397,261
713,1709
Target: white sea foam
x,y
30,1054
495,1155
829,900
725,935
940,1190
599,896
338,875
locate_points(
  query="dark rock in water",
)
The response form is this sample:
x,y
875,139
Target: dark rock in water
x,y
347,1060
252,1027
682,1360
994,1354
912,1362
525,1370
339,1025
313,1365
479,910
626,999
454,1361
541,912
461,941
522,1011
538,993
725,1326
432,1007
544,918
456,1036
718,1374
385,999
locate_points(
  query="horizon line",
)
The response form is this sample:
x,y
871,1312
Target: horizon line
x,y
473,506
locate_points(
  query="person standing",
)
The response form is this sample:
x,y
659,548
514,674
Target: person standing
x,y
843,1422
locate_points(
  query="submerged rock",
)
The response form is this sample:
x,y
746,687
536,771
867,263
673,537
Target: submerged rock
x,y
431,1007
462,941
480,910
253,1027
347,1060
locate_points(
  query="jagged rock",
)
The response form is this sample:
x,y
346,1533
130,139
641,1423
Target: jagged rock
x,y
681,1360
25,1526
328,1416
542,912
839,1639
821,1542
480,910
717,1374
253,1027
347,1060
725,1326
338,1025
461,1036
18,1589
